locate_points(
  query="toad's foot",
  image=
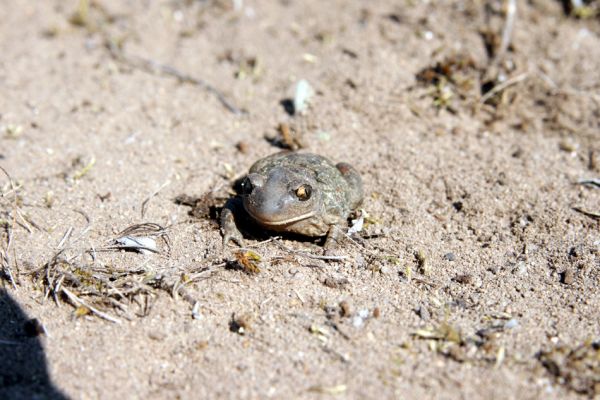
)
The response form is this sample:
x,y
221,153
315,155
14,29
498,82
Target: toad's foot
x,y
229,229
332,241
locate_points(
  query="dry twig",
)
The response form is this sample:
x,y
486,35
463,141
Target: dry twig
x,y
145,202
5,254
153,66
78,302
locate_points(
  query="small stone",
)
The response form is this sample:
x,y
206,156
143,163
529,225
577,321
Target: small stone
x,y
302,95
334,282
567,277
242,147
449,257
511,323
345,309
385,270
360,261
157,335
521,269
463,279
423,313
493,269
360,318
568,145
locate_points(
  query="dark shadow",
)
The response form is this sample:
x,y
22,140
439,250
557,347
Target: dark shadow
x,y
288,106
23,371
567,6
250,229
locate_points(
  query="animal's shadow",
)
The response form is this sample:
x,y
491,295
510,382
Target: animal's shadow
x,y
250,229
210,208
23,370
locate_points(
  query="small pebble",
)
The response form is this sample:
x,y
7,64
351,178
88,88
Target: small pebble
x,y
567,277
359,319
360,261
568,145
242,147
385,270
302,95
157,335
345,309
449,257
511,323
423,313
376,312
521,269
464,279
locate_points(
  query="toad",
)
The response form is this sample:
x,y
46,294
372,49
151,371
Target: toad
x,y
299,193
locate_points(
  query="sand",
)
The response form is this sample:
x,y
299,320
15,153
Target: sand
x,y
476,274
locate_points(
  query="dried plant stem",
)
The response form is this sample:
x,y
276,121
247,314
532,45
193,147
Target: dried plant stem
x,y
309,255
145,202
511,13
587,213
78,302
5,255
500,87
153,66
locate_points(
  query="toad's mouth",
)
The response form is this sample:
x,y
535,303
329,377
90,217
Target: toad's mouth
x,y
261,218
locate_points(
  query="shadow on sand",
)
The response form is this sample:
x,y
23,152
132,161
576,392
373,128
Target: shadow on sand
x,y
23,371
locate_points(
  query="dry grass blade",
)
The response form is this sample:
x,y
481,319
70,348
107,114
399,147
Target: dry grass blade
x,y
500,87
157,191
590,182
99,285
78,302
511,14
93,287
65,237
9,229
309,255
587,213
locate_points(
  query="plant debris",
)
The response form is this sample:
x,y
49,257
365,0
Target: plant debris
x,y
85,170
577,368
456,75
330,390
248,261
423,262
241,324
141,238
335,282
142,244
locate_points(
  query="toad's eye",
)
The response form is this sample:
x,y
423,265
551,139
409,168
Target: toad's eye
x,y
304,192
247,186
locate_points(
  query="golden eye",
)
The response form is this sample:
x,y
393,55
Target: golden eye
x,y
303,192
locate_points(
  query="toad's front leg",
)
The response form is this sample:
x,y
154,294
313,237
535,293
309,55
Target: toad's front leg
x,y
333,238
229,229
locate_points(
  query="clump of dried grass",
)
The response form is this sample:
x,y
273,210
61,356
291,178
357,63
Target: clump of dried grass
x,y
109,292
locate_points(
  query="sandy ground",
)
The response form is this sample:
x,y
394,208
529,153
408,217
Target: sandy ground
x,y
477,275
